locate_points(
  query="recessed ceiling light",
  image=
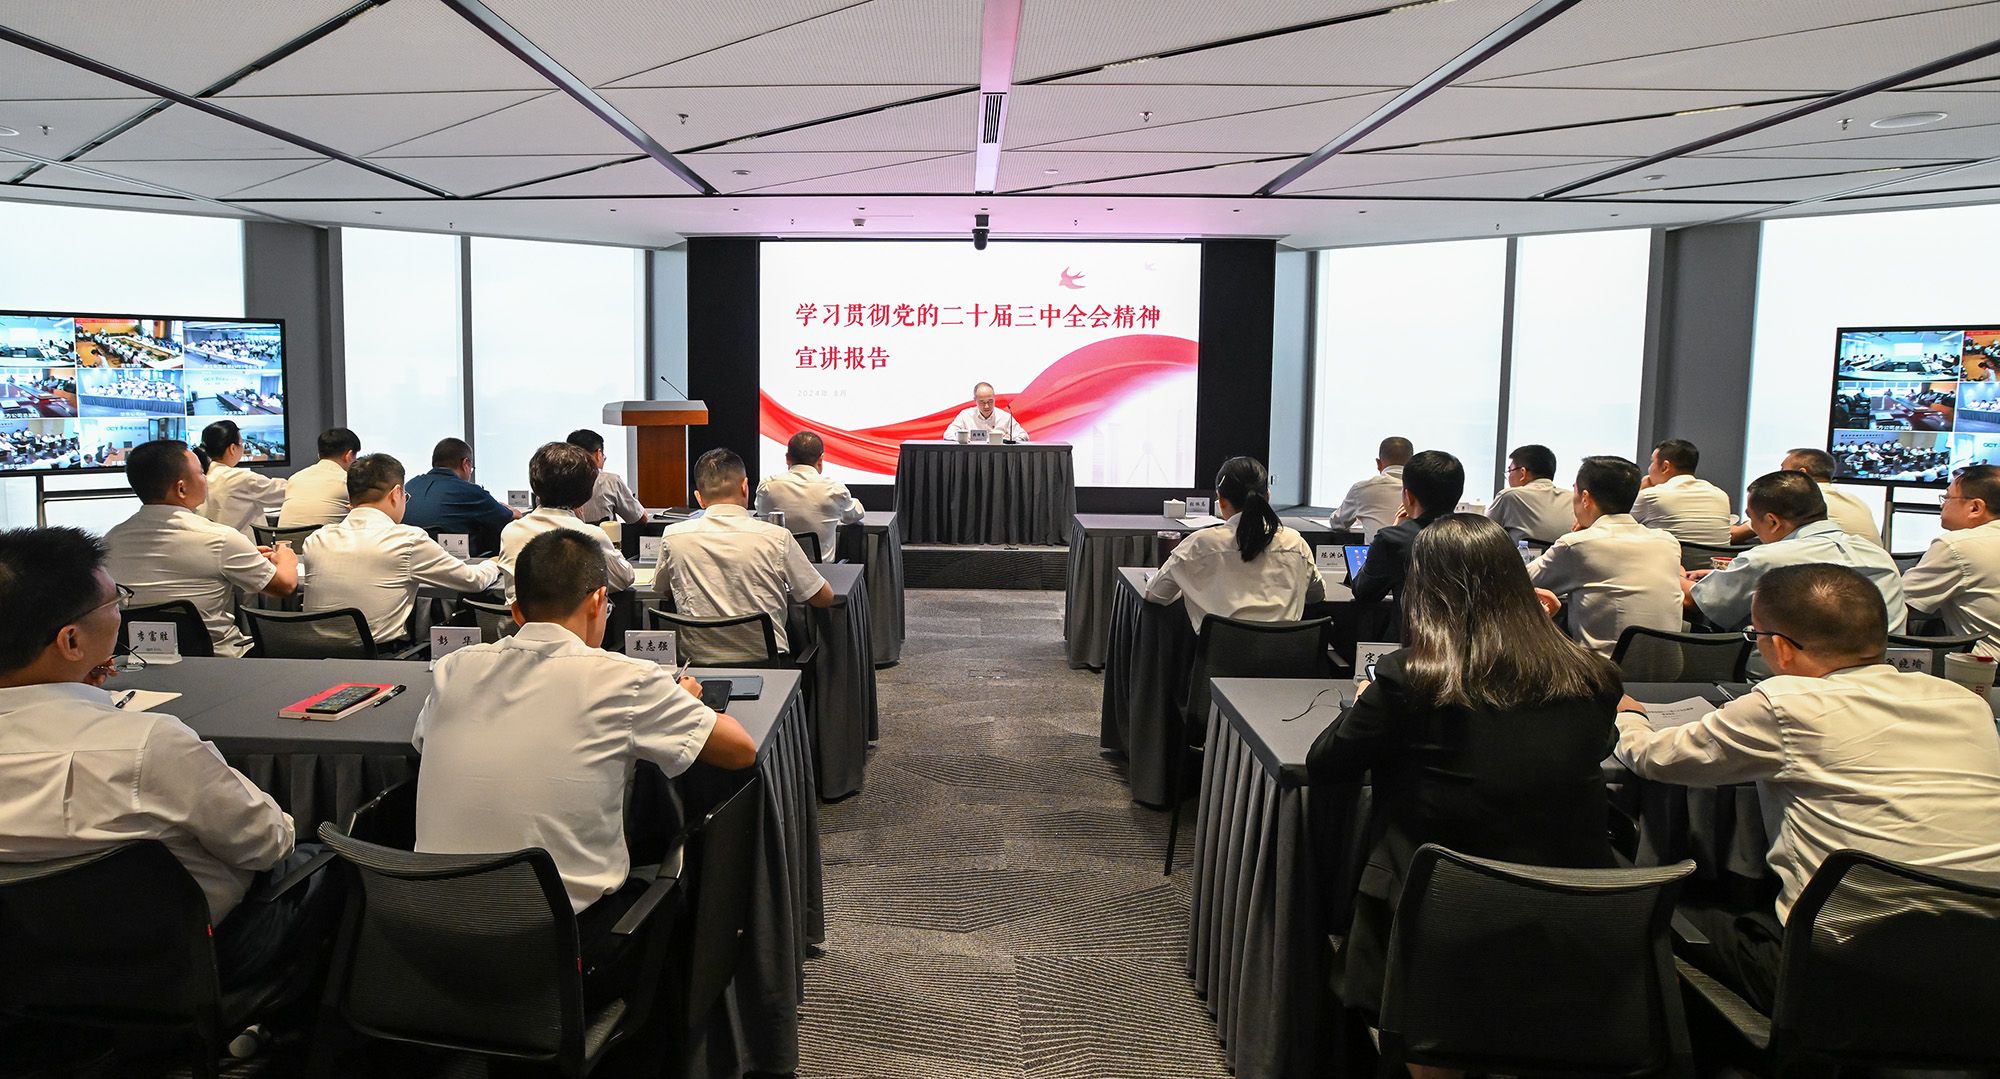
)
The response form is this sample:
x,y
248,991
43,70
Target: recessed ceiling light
x,y
1360,211
8,132
1050,172
1614,215
1908,119
1655,176
613,209
1237,211
740,172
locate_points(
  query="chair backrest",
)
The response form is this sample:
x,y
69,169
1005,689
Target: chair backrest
x,y
709,940
190,632
1696,555
269,535
1940,646
808,542
116,937
389,819
1518,969
341,634
1891,965
1907,560
495,620
1241,648
476,952
1658,655
746,640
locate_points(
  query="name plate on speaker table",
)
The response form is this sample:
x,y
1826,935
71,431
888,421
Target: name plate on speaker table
x,y
654,644
521,500
456,544
981,438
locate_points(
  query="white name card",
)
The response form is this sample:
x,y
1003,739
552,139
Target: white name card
x,y
154,638
1369,653
448,639
1910,660
654,644
521,500
1471,507
1197,507
649,548
1330,558
981,437
456,544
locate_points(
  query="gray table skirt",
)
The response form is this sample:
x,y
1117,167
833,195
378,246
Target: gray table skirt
x,y
1149,650
985,494
1095,556
320,788
1721,828
845,718
879,549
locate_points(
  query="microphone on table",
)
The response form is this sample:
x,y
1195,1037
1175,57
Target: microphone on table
x,y
676,389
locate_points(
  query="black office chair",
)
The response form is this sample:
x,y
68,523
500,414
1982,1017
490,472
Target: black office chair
x,y
269,535
1495,967
808,542
1658,655
120,939
1940,646
341,634
191,633
389,819
1238,648
495,620
1907,560
1696,555
1885,965
748,640
478,954
709,937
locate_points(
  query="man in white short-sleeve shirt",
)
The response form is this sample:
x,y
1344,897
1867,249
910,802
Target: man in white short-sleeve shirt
x,y
982,416
727,563
1612,571
1532,507
1842,508
810,501
562,478
609,497
237,497
1675,499
531,742
1958,579
1373,503
374,563
166,551
317,493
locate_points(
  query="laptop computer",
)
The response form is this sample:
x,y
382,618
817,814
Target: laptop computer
x,y
1356,555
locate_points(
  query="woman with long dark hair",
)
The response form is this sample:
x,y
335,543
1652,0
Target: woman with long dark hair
x,y
1483,733
1250,566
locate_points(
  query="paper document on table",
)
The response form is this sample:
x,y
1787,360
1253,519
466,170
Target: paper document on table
x,y
1201,520
142,700
1678,714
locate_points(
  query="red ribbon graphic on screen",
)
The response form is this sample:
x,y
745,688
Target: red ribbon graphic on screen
x,y
1061,403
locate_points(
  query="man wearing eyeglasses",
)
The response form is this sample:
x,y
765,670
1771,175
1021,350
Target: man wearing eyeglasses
x,y
1958,579
1533,507
1846,751
1788,513
79,774
983,416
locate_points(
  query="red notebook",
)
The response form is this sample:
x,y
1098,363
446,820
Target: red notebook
x,y
339,702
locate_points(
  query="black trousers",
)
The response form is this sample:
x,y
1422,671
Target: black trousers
x,y
610,961
260,943
1743,949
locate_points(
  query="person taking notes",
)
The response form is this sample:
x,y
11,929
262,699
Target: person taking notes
x,y
1250,566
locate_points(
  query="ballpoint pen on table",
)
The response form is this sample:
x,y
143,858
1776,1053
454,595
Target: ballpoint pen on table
x,y
389,696
125,698
1724,690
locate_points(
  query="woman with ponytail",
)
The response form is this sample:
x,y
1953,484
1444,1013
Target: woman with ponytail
x,y
1250,566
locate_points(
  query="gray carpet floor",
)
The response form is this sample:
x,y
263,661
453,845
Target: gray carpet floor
x,y
994,900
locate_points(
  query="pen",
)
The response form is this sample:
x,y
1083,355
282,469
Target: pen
x,y
1724,690
389,696
125,698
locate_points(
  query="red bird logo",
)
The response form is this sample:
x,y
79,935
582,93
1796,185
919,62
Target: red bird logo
x,y
1069,280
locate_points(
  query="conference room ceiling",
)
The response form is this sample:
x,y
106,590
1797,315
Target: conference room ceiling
x,y
1123,117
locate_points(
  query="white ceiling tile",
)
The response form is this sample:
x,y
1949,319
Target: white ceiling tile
x,y
33,192
398,47
65,177
1362,170
1506,184
1062,35
1686,173
360,124
1458,112
550,124
477,175
882,41
1794,189
1979,184
180,133
71,122
943,125
949,174
1397,48
212,178
623,37
770,170
1291,129
1059,112
1938,143
1822,134
1234,179
1827,60
1624,138
26,74
719,113
329,180
188,45
626,224
630,179
1030,169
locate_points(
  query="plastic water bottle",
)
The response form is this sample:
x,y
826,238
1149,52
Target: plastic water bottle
x,y
1526,555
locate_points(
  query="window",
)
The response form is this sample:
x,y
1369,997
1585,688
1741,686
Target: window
x,y
1407,343
555,336
1579,344
405,365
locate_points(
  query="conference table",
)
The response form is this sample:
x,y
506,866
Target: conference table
x,y
952,493
314,770
1276,862
876,544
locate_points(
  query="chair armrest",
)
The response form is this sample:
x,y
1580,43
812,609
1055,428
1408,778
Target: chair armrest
x,y
803,659
1753,1025
666,881
270,891
1683,929
415,651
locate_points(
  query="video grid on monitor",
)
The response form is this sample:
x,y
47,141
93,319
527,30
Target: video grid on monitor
x,y
77,391
1912,405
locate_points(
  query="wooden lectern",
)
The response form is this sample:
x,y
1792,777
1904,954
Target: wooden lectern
x,y
662,467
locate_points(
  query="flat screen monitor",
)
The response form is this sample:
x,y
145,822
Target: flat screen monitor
x,y
78,391
1913,404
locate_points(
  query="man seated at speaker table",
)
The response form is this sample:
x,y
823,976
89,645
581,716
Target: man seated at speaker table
x,y
809,500
237,497
1250,566
982,416
726,563
1372,502
446,501
1674,498
1612,571
166,551
1842,508
373,562
609,497
1958,579
1846,751
532,740
1532,507
317,493
1788,514
78,774
562,478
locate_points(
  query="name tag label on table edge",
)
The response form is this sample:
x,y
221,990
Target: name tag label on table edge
x,y
1197,507
456,544
1910,660
448,639
1369,653
1329,558
154,638
654,644
649,548
521,500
